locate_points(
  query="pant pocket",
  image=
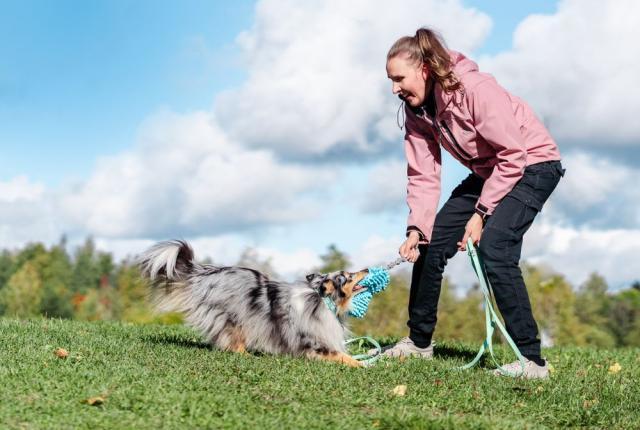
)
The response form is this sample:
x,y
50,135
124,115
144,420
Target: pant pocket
x,y
514,214
527,196
526,211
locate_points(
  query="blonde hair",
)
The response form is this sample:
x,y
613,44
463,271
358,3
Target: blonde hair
x,y
428,47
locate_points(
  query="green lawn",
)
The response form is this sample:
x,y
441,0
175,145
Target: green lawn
x,y
152,377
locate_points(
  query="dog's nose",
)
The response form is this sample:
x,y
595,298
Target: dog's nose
x,y
340,280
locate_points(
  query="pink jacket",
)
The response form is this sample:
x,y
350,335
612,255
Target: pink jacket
x,y
492,132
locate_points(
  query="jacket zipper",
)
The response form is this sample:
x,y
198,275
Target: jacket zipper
x,y
454,143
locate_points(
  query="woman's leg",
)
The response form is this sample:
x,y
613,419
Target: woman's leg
x,y
426,279
500,248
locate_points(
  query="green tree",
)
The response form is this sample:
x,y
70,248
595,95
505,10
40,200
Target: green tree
x,y
23,293
624,317
592,308
7,268
87,270
54,268
131,301
460,318
553,305
333,260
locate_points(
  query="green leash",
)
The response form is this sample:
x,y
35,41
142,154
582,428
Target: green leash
x,y
491,318
366,359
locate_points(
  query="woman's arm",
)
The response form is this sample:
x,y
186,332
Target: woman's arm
x,y
494,119
423,174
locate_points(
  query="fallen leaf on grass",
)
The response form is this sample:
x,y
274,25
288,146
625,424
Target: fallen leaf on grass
x,y
400,390
61,353
437,382
540,389
94,401
615,368
589,403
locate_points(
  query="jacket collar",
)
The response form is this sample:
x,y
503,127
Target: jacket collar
x,y
442,99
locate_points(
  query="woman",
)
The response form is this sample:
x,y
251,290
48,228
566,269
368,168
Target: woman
x,y
515,166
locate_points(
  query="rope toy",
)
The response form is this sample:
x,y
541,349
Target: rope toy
x,y
375,282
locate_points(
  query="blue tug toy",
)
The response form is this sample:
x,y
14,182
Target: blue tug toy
x,y
375,282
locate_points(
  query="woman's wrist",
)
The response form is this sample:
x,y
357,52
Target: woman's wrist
x,y
415,230
414,234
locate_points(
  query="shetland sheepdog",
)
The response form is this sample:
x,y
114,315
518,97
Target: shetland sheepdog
x,y
240,309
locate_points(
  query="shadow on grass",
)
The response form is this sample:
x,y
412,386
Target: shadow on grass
x,y
448,351
457,351
172,339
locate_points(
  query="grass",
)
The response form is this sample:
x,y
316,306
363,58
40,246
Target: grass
x,y
151,377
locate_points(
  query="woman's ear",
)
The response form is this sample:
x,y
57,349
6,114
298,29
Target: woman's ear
x,y
425,72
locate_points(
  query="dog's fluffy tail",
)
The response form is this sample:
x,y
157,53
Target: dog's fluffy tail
x,y
168,265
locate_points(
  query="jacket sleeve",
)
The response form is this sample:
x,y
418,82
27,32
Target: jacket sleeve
x,y
495,121
423,174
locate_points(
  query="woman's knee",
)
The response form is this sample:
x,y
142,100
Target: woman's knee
x,y
435,259
495,244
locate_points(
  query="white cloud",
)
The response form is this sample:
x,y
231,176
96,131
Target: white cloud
x,y
386,188
578,252
185,176
290,265
597,191
317,82
577,68
20,189
26,213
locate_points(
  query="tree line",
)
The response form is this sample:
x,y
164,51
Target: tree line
x,y
87,284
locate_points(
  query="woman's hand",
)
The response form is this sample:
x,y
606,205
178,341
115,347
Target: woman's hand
x,y
409,249
473,230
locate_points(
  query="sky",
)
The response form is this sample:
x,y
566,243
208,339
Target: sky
x,y
271,125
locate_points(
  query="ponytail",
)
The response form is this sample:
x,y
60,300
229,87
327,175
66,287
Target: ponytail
x,y
427,47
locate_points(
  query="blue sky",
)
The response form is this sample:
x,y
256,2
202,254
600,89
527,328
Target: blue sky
x,y
87,88
82,76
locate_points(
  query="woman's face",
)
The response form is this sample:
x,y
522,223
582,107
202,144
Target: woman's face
x,y
409,79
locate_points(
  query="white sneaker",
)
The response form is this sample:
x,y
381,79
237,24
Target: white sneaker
x,y
405,348
531,370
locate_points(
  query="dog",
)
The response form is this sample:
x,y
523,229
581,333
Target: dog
x,y
240,309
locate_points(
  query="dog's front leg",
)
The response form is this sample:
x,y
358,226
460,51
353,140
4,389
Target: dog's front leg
x,y
233,340
337,357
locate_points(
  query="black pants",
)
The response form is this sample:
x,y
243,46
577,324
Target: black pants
x,y
500,247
